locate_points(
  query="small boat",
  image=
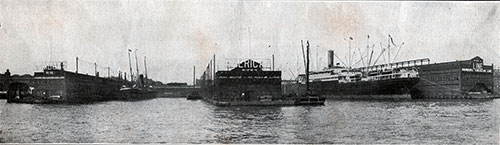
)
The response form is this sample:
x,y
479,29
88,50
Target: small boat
x,y
310,99
136,93
139,90
194,96
3,94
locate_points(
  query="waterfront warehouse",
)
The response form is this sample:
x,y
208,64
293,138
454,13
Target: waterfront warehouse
x,y
59,86
246,84
457,79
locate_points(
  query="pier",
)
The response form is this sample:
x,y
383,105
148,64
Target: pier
x,y
465,79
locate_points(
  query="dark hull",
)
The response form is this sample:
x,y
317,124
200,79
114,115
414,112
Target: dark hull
x,y
136,94
310,100
194,97
382,87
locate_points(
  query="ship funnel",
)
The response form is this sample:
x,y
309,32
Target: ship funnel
x,y
331,62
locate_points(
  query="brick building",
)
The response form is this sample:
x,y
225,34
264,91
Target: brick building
x,y
247,82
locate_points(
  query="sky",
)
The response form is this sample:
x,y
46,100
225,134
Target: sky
x,y
177,35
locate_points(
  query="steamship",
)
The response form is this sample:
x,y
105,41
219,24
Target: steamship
x,y
387,79
396,78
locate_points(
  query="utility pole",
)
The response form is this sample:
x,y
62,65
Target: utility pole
x,y
273,62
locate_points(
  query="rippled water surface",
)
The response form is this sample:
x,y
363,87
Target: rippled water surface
x,y
176,120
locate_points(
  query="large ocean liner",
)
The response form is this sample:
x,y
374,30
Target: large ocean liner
x,y
382,79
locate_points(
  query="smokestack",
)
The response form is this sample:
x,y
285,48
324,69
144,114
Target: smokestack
x,y
331,62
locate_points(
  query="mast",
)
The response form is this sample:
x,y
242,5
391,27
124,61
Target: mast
x,y
136,64
370,61
213,67
350,60
349,56
194,76
389,49
367,49
130,65
303,53
145,69
307,67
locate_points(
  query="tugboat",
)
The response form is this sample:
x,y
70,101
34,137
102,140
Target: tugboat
x,y
194,96
309,98
139,90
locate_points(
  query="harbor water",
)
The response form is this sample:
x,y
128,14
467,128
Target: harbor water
x,y
177,120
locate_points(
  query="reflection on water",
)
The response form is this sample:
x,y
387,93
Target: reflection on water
x,y
176,120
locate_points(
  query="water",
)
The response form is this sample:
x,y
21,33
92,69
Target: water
x,y
169,120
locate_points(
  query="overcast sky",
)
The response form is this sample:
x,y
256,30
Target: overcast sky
x,y
177,35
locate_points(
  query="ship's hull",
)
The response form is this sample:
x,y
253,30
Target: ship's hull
x,y
136,94
382,87
310,100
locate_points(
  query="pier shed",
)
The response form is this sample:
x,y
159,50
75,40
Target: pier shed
x,y
457,79
246,82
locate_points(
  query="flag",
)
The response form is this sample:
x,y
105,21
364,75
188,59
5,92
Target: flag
x,y
129,50
392,41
